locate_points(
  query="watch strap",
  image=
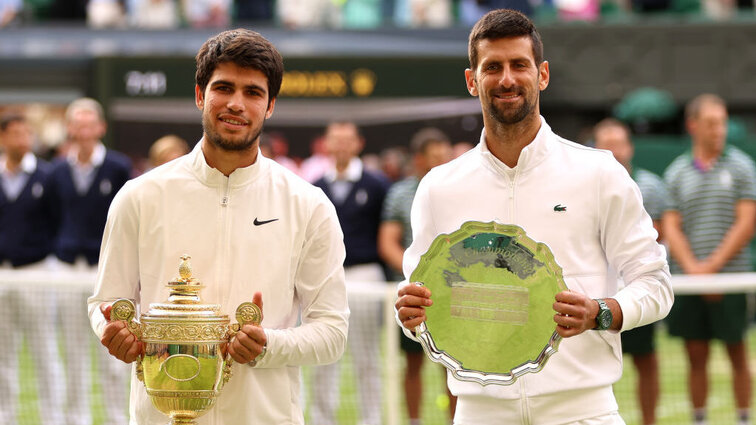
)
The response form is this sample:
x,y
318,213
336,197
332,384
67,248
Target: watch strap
x,y
260,356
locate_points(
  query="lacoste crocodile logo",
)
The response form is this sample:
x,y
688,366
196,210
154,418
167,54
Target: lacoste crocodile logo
x,y
261,222
560,208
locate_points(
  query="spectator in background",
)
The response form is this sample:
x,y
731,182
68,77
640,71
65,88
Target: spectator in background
x,y
614,136
459,148
316,165
106,14
719,9
280,150
153,14
167,148
207,13
310,13
81,188
372,162
358,197
430,147
708,225
10,12
26,235
470,11
394,163
423,13
275,147
577,10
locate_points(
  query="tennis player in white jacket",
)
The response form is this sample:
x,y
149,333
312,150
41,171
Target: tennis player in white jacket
x,y
255,231
578,201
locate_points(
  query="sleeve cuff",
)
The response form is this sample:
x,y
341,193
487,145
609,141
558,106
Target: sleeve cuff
x,y
630,311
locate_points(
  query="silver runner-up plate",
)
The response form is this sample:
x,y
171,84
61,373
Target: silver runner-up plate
x,y
493,288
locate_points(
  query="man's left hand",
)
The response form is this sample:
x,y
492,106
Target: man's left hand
x,y
576,313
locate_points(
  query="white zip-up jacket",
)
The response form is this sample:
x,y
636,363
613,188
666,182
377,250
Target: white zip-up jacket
x,y
603,224
293,255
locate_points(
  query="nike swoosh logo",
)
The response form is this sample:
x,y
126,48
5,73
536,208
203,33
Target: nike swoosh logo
x,y
261,222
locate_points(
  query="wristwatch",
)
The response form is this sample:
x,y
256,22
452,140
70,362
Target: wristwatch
x,y
604,317
260,356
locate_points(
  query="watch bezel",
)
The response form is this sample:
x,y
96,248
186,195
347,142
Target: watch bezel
x,y
604,317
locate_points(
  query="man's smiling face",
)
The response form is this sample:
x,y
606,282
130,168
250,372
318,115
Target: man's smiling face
x,y
234,106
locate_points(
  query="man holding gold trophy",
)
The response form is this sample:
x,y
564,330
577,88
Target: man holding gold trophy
x,y
547,217
254,232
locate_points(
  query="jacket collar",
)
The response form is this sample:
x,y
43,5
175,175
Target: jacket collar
x,y
530,156
97,158
28,163
353,172
212,177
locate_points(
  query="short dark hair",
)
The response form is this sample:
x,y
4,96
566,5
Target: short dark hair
x,y
9,118
693,108
426,137
245,48
503,23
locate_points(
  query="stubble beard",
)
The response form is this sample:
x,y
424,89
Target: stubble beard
x,y
218,141
511,117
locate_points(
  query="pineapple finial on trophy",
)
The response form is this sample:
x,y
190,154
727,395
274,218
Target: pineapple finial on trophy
x,y
185,269
185,288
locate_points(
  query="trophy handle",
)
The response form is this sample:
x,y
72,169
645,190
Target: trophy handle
x,y
247,312
124,309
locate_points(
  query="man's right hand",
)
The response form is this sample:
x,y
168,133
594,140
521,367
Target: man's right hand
x,y
411,305
118,339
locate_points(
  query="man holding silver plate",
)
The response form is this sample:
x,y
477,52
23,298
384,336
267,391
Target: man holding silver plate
x,y
516,247
255,232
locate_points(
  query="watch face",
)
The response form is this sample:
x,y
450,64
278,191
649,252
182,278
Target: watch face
x,y
604,319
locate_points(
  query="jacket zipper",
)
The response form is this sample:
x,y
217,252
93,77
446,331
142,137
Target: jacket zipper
x,y
512,183
224,197
221,278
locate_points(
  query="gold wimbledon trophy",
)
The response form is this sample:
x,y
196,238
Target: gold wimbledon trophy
x,y
184,365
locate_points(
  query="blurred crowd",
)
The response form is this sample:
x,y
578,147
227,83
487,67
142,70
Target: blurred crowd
x,y
336,14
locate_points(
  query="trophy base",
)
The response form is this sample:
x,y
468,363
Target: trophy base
x,y
183,407
182,421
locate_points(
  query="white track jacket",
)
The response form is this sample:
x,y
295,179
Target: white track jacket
x,y
260,229
603,224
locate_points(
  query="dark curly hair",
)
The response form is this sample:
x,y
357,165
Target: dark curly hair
x,y
245,48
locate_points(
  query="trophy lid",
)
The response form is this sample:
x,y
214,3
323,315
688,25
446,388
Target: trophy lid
x,y
184,299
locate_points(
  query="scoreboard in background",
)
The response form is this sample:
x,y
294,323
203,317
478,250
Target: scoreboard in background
x,y
326,78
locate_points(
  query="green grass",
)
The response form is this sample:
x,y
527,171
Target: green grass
x,y
27,408
674,407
